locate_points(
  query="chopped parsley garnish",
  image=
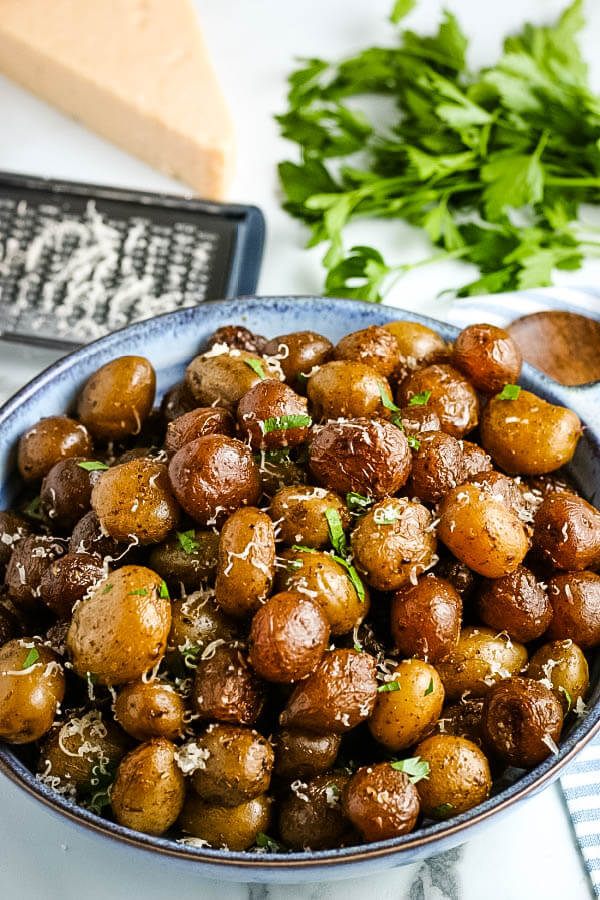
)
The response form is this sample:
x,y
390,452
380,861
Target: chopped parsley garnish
x,y
358,648
283,423
31,658
429,688
140,592
389,404
358,504
443,809
385,516
294,564
268,843
388,687
256,366
304,549
416,768
421,399
34,508
273,457
187,540
163,591
190,655
353,575
568,696
108,589
336,532
413,442
302,379
93,465
509,392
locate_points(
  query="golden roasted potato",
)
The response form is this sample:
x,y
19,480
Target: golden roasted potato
x,y
382,802
575,599
300,515
32,687
452,397
426,619
459,776
149,789
150,709
567,531
272,416
288,637
115,400
51,440
488,356
563,665
418,346
222,380
408,705
374,346
246,562
515,603
188,557
347,388
298,354
522,721
481,658
236,764
235,828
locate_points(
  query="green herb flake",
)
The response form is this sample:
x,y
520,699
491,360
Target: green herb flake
x,y
421,399
358,648
302,379
444,809
284,423
568,696
413,442
385,400
139,592
416,768
31,658
93,465
336,531
429,688
294,564
163,591
267,843
358,504
108,589
304,549
353,576
256,366
187,540
388,687
34,508
509,392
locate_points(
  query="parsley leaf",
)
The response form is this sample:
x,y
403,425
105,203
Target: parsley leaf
x,y
385,400
416,768
388,687
421,399
282,423
336,531
31,658
268,843
443,809
93,466
187,540
509,392
163,591
256,366
402,9
429,688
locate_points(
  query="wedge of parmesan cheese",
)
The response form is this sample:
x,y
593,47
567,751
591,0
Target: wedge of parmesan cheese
x,y
135,71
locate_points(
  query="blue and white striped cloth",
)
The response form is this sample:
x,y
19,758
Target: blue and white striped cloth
x,y
581,782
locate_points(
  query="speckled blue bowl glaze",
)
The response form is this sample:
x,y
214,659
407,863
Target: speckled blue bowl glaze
x,y
170,341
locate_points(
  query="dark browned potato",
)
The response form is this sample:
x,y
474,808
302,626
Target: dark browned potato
x,y
134,500
77,755
120,631
567,530
237,337
381,802
299,515
437,466
288,637
426,619
416,419
488,356
30,559
272,416
311,815
349,389
324,581
176,402
501,488
452,397
475,459
462,719
10,626
482,532
517,604
188,558
481,658
13,528
462,579
67,491
278,470
374,346
196,423
459,776
149,789
213,476
197,622
67,580
88,537
527,435
563,667
246,562
522,721
575,599
32,687
394,543
298,354
233,764
408,705
150,709
418,346
302,754
339,694
235,828
226,688
369,456
51,440
117,398
223,380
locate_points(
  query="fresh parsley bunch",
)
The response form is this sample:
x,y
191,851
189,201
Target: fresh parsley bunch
x,y
493,164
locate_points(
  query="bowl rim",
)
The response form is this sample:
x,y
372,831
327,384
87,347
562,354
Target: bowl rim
x,y
532,781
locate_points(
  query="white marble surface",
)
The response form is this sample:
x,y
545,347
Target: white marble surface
x,y
530,853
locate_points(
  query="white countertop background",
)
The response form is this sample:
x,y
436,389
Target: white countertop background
x,y
529,853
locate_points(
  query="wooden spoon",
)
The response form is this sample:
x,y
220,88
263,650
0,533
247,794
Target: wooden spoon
x,y
564,345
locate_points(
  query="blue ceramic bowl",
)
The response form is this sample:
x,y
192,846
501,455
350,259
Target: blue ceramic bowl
x,y
170,341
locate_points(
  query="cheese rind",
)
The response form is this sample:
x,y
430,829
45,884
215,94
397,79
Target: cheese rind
x,y
135,71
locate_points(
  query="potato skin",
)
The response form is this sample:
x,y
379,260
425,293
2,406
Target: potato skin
x,y
28,562
303,754
437,466
516,604
197,423
223,380
177,566
233,827
67,580
483,533
475,459
121,630
459,776
288,637
45,444
336,697
418,346
237,337
393,543
452,397
271,399
13,529
28,703
481,658
226,688
117,398
567,531
488,356
88,537
462,719
67,492
237,767
246,562
134,499
417,419
300,515
176,402
150,709
565,666
403,716
197,621
381,802
149,789
298,353
575,599
369,456
311,815
374,346
518,714
528,436
426,619
213,476
343,388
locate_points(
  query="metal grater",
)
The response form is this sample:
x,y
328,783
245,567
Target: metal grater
x,y
78,261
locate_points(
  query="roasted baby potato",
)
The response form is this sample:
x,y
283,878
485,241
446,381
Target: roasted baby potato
x,y
516,604
197,423
288,637
567,531
150,709
149,789
452,397
481,658
67,580
197,622
188,558
300,515
51,440
222,380
302,754
575,599
237,337
117,398
459,776
298,354
272,416
235,828
488,356
346,388
13,529
27,565
226,688
32,687
67,491
374,346
563,665
237,764
522,721
407,705
418,346
312,816
437,466
426,619
246,562
381,802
